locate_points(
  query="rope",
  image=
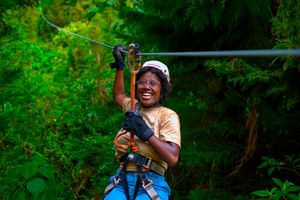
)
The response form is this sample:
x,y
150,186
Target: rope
x,y
231,53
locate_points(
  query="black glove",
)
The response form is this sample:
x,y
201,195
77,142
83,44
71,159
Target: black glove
x,y
119,56
135,123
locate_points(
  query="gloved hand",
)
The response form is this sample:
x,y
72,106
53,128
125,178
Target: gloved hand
x,y
135,123
119,56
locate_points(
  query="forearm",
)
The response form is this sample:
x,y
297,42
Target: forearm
x,y
118,87
167,151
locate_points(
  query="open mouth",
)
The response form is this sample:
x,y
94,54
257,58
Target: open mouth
x,y
146,95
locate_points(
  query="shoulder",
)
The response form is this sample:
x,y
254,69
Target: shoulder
x,y
166,111
167,114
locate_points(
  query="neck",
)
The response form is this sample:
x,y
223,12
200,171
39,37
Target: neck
x,y
152,106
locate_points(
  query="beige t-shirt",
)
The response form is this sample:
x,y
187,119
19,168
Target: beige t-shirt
x,y
165,124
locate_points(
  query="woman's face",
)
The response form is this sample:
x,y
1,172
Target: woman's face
x,y
148,89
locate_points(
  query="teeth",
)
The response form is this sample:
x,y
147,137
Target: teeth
x,y
146,94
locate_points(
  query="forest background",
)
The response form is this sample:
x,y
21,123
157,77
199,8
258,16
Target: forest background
x,y
240,117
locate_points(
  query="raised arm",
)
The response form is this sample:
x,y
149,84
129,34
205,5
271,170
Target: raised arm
x,y
119,64
118,89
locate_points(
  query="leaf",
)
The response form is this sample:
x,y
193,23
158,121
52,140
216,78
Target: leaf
x,y
48,196
270,170
263,165
47,171
277,195
28,169
39,159
36,186
19,194
293,197
294,188
277,182
261,193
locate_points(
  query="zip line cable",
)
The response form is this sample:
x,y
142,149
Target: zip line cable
x,y
240,53
230,53
75,34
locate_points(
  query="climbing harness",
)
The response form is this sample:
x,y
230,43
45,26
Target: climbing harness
x,y
141,162
132,155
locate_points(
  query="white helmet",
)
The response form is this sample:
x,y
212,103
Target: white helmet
x,y
158,65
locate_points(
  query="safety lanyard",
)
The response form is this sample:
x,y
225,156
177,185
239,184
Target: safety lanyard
x,y
133,60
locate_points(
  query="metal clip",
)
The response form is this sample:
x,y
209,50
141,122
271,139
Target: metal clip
x,y
131,157
116,180
149,184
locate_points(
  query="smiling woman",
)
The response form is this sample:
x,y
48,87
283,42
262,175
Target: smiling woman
x,y
148,94
156,131
161,75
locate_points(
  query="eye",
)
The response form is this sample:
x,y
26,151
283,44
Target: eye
x,y
153,83
142,82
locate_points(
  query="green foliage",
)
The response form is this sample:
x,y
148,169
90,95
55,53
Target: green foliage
x,y
280,190
32,178
6,28
290,163
271,164
57,118
201,25
55,103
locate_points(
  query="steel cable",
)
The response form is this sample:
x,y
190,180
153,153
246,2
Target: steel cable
x,y
230,53
75,34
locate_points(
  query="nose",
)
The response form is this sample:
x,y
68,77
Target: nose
x,y
147,85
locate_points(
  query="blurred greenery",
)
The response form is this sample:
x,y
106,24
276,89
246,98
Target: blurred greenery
x,y
240,117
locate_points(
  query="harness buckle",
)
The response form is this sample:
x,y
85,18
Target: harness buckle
x,y
148,163
148,184
117,180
